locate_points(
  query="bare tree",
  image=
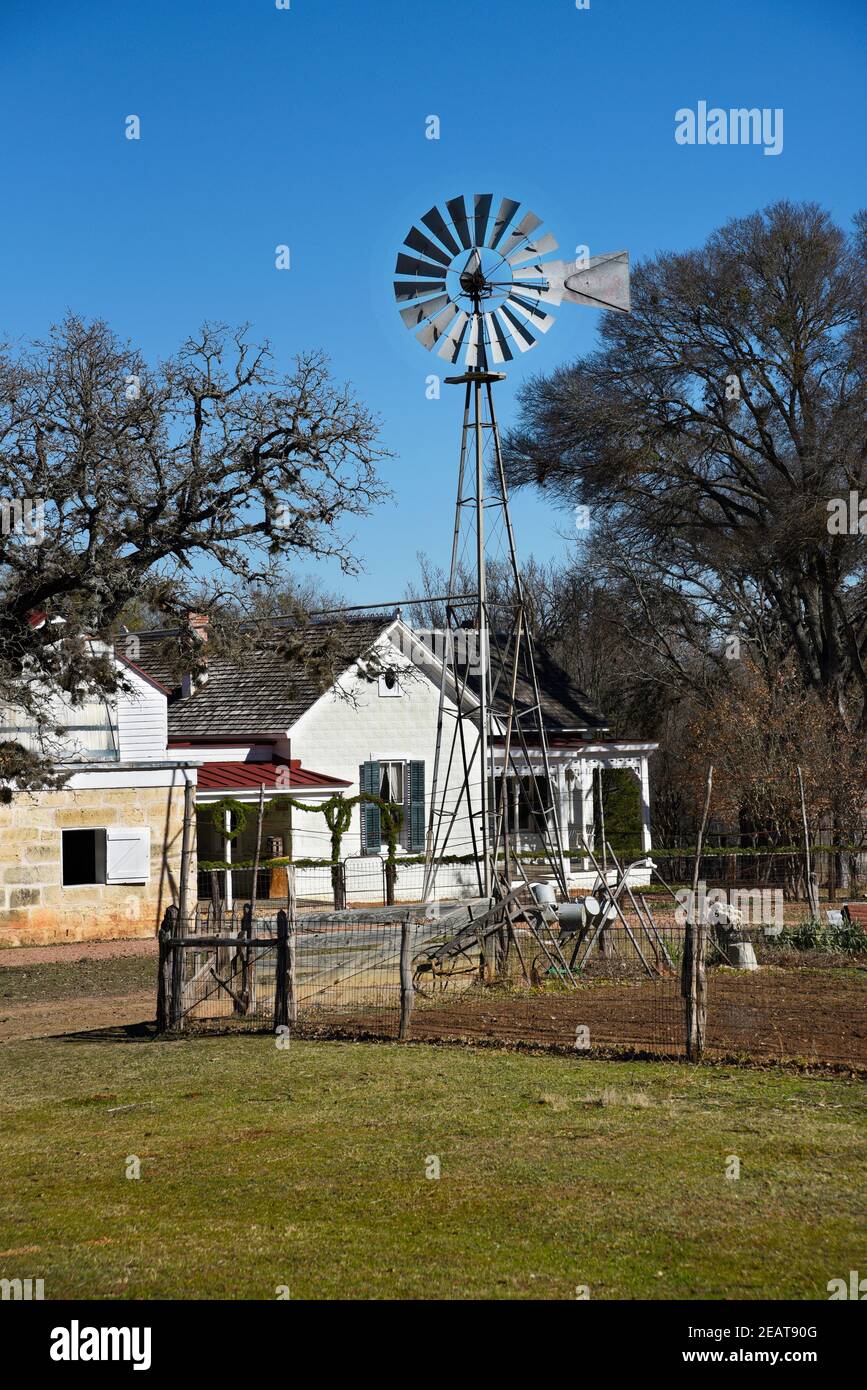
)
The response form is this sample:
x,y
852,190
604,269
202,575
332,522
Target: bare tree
x,y
708,437
184,485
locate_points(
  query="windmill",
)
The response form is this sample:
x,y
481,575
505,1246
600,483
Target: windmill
x,y
480,284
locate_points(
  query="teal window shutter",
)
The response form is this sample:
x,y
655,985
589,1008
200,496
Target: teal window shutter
x,y
417,818
371,829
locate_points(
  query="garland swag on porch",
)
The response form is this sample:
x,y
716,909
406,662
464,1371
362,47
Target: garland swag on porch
x,y
337,811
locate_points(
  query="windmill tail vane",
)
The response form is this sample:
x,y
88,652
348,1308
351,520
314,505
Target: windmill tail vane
x,y
477,282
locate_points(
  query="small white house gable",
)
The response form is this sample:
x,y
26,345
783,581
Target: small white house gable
x,y
142,719
376,728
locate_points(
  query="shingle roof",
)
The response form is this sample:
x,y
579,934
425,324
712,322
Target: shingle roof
x,y
564,704
268,691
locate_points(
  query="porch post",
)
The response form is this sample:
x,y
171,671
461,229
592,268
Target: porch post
x,y
644,778
227,825
515,788
563,809
585,793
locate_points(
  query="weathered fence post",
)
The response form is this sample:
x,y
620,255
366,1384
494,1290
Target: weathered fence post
x,y
242,1003
693,980
390,876
281,996
164,975
290,943
406,990
338,886
175,968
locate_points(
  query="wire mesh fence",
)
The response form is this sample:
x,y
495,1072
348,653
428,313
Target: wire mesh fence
x,y
395,972
359,881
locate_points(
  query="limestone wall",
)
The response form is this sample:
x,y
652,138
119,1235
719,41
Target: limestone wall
x,y
35,907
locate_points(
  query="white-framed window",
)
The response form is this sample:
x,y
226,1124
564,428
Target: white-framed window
x,y
401,782
392,781
81,733
113,854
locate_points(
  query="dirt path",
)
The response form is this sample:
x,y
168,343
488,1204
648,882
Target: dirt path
x,y
76,1015
78,950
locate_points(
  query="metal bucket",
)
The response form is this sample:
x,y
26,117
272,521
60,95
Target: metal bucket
x,y
571,916
544,894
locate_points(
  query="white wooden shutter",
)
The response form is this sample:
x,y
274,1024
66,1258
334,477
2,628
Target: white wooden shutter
x,y
127,854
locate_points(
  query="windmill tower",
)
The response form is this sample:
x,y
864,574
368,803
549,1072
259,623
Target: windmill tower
x,y
474,285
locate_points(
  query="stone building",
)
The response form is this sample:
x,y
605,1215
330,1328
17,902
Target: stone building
x,y
99,858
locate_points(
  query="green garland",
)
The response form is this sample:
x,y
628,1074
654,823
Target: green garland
x,y
337,811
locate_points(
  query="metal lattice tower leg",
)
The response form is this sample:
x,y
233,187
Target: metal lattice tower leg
x,y
466,735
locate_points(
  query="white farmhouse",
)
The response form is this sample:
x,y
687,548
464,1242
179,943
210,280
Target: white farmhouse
x,y
339,708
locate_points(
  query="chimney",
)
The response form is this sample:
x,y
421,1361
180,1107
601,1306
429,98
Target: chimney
x,y
198,625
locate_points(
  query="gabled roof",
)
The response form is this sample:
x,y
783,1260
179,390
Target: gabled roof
x,y
264,695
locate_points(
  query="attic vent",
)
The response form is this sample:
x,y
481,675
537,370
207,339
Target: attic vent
x,y
389,685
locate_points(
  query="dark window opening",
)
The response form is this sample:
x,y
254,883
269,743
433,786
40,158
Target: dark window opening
x,y
83,856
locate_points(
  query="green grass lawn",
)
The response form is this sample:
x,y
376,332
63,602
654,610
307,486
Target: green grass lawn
x,y
306,1168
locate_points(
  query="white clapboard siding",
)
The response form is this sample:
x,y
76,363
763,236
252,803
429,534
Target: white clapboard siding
x,y
142,727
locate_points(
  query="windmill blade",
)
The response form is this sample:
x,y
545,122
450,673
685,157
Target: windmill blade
x,y
417,312
458,211
499,343
436,223
416,289
451,348
525,228
521,335
414,265
481,213
531,311
473,262
603,283
539,246
417,241
507,210
430,335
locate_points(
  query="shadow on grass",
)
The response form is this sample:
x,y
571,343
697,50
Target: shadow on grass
x,y
117,1033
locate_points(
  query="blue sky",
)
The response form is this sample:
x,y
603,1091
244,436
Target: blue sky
x,y
262,126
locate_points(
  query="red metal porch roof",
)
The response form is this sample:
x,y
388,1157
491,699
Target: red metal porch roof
x,y
234,776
